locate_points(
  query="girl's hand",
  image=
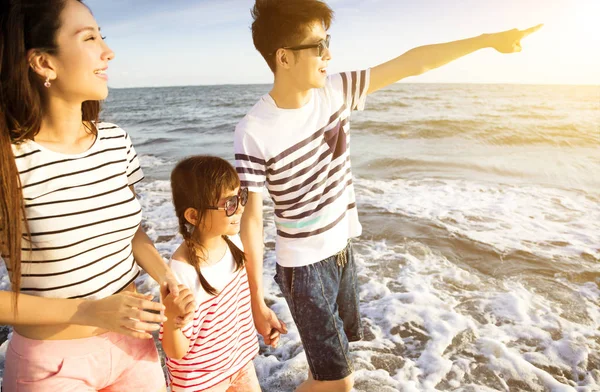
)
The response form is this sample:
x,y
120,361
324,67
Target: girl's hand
x,y
126,313
172,286
178,308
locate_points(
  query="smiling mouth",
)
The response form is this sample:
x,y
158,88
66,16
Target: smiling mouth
x,y
100,72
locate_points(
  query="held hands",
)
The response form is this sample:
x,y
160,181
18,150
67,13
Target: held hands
x,y
172,286
510,41
267,324
177,307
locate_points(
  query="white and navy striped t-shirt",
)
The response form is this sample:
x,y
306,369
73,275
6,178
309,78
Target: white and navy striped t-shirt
x,y
222,334
303,157
82,217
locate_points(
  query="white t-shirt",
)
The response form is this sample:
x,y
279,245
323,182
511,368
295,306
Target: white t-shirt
x,y
302,156
82,217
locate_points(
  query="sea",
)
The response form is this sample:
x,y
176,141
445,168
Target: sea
x,y
479,260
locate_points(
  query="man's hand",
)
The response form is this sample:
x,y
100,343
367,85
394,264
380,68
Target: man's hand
x,y
267,324
510,41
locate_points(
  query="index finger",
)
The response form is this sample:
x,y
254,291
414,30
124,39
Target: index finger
x,y
148,305
530,30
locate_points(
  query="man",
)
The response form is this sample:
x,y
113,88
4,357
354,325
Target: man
x,y
295,141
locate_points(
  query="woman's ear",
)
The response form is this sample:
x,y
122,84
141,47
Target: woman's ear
x,y
42,64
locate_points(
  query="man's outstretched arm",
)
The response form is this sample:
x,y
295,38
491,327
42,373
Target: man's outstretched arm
x,y
425,58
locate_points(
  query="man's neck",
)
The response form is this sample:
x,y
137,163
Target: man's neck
x,y
289,96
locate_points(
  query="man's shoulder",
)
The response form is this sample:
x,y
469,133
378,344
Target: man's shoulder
x,y
257,118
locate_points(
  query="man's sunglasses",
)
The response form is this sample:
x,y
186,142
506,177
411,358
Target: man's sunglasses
x,y
321,46
232,204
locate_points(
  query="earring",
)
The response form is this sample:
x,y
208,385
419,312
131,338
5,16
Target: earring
x,y
47,82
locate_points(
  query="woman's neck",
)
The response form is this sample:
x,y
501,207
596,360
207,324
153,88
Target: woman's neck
x,y
62,127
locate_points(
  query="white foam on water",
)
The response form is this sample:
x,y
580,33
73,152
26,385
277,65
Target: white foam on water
x,y
543,221
433,325
151,161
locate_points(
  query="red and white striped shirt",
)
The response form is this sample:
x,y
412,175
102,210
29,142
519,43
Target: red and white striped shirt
x,y
222,335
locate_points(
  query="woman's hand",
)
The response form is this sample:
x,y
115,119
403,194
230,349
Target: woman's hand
x,y
128,313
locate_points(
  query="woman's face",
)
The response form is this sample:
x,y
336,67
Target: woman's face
x,y
82,58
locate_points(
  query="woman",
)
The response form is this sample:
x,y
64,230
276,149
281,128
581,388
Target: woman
x,y
69,219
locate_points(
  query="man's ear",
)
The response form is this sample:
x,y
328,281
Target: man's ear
x,y
282,58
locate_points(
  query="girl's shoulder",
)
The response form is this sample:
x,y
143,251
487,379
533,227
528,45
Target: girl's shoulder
x,y
181,254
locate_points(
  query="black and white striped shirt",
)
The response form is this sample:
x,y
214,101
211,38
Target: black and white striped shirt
x,y
82,217
303,157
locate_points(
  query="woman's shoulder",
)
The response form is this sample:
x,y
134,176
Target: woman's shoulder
x,y
110,130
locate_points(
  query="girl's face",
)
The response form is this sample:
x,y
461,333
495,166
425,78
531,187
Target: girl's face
x,y
216,222
79,66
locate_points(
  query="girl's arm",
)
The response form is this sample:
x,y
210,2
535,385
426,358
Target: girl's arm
x,y
174,342
124,313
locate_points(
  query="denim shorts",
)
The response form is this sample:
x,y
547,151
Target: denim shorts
x,y
323,299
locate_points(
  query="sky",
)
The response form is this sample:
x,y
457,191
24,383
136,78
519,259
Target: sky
x,y
207,42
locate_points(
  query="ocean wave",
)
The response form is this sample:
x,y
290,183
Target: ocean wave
x,y
517,218
428,129
490,132
154,141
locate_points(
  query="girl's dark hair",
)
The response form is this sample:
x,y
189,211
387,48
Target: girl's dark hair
x,y
279,23
24,25
198,182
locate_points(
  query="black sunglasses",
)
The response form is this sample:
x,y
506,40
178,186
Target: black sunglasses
x,y
232,204
321,45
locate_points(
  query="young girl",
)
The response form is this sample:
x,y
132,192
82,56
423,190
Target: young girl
x,y
214,352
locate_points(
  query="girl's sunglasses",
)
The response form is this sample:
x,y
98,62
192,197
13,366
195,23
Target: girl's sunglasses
x,y
232,204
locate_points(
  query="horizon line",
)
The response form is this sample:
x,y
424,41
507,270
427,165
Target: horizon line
x,y
400,82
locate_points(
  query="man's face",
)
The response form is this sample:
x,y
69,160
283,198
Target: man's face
x,y
307,67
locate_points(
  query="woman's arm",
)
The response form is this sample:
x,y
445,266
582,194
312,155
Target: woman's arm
x,y
150,260
126,313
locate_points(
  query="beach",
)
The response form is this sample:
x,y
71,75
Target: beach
x,y
479,260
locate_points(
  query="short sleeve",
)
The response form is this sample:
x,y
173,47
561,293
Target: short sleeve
x,y
250,162
353,86
134,170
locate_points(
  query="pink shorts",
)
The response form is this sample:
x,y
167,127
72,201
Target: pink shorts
x,y
107,362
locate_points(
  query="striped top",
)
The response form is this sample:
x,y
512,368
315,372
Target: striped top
x,y
302,156
222,335
82,217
